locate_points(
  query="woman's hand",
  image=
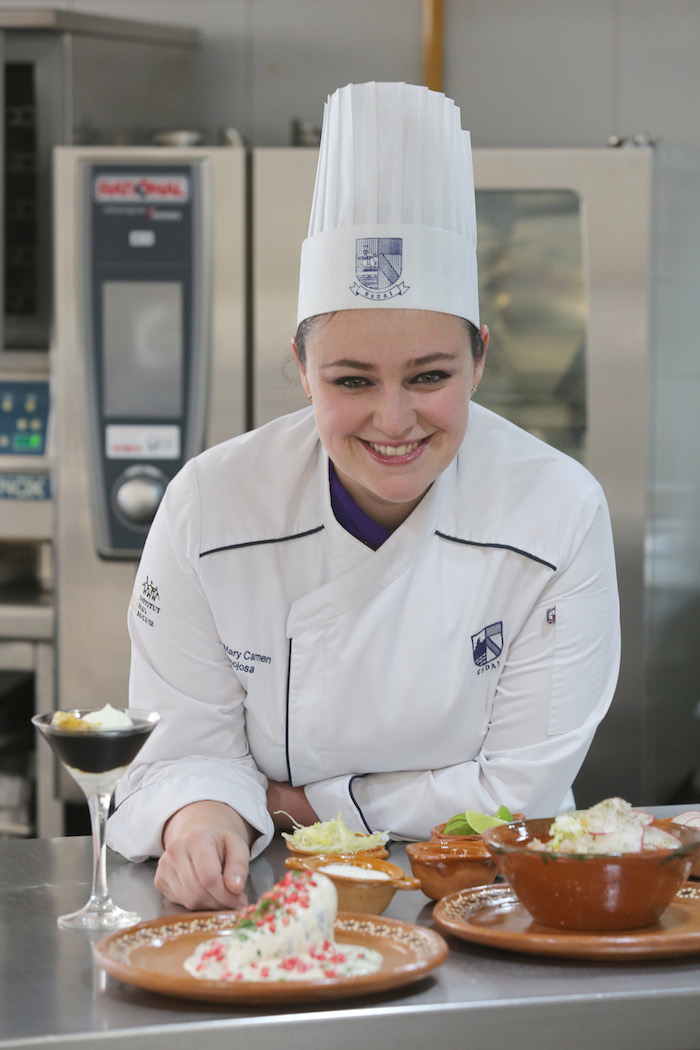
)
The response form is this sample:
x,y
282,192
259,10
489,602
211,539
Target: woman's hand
x,y
205,864
287,804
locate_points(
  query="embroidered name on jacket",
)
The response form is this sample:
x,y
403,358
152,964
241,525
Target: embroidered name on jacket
x,y
487,645
245,660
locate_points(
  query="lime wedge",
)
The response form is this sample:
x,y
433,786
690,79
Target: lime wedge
x,y
472,823
480,821
458,825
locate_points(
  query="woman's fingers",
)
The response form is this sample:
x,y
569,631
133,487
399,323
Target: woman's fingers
x,y
204,868
235,864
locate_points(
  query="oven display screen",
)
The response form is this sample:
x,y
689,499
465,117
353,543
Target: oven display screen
x,y
142,349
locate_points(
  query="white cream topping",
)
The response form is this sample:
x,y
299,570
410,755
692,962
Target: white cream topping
x,y
354,871
108,717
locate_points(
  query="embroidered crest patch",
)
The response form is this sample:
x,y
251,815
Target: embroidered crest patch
x,y
487,644
147,604
378,266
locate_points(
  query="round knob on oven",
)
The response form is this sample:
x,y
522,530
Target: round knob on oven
x,y
137,498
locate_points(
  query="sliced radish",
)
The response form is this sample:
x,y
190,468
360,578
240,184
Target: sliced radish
x,y
691,817
657,838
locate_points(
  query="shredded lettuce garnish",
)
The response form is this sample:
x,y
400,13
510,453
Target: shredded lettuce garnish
x,y
332,836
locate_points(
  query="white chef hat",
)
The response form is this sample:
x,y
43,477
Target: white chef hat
x,y
393,219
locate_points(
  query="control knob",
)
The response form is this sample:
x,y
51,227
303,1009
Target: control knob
x,y
138,493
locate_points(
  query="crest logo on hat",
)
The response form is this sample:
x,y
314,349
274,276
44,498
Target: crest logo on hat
x,y
378,266
487,644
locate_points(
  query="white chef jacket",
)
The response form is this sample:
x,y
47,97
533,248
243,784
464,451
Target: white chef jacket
x,y
465,663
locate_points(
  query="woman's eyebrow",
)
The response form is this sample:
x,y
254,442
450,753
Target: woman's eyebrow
x,y
347,362
365,366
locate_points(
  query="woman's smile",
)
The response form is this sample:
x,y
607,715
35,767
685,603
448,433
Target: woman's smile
x,y
396,454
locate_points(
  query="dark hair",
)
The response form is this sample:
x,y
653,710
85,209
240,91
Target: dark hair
x,y
309,324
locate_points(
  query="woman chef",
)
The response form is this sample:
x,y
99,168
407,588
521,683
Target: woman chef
x,y
393,604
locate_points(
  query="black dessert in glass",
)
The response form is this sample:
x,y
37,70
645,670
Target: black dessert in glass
x,y
96,758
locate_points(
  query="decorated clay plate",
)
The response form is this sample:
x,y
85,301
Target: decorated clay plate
x,y
493,915
152,955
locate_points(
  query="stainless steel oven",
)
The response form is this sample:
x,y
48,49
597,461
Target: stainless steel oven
x,y
148,367
589,269
67,79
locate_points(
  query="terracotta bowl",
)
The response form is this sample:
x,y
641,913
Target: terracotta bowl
x,y
695,867
437,834
574,891
447,867
366,895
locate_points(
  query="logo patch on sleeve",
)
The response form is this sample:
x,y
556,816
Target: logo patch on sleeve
x,y
487,644
147,604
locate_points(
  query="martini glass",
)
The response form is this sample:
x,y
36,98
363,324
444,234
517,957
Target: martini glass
x,y
96,759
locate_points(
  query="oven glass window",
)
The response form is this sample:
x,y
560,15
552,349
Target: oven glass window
x,y
142,349
532,296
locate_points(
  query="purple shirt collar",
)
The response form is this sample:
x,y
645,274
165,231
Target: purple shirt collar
x,y
352,517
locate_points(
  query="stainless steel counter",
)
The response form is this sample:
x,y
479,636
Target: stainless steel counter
x,y
52,995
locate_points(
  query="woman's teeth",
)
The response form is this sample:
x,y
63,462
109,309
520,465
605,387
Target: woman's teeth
x,y
394,450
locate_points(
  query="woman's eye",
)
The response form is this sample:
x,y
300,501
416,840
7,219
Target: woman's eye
x,y
351,382
430,378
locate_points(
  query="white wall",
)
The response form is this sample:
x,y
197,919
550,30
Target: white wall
x,y
574,72
525,72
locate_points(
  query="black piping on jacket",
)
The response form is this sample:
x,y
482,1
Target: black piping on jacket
x,y
497,546
259,543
